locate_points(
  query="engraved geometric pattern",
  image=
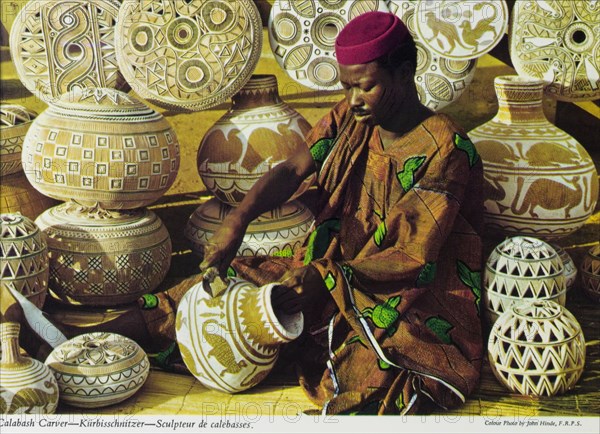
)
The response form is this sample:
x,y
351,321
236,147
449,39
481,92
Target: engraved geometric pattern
x,y
14,123
28,386
188,54
57,46
440,81
590,273
538,180
19,196
570,269
284,228
522,269
24,264
258,132
537,349
558,41
461,30
231,342
302,37
110,142
105,261
98,369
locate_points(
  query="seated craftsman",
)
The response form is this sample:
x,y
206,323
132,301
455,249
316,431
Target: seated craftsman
x,y
389,279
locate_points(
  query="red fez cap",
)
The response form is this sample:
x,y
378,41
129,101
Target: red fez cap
x,y
368,37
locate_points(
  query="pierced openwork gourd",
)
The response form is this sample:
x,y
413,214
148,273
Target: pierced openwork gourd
x,y
24,263
570,269
98,369
590,273
522,269
537,349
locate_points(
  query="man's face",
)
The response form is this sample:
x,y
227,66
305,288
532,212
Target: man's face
x,y
373,93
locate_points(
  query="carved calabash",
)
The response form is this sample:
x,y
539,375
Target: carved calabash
x,y
558,42
106,258
537,349
231,342
538,180
28,386
277,232
101,146
19,196
590,273
24,263
98,369
15,121
258,132
522,269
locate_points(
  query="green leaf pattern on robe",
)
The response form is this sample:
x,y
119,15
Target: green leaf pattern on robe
x,y
440,327
319,240
466,145
472,279
407,175
427,274
320,150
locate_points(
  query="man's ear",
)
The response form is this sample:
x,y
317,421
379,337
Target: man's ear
x,y
405,71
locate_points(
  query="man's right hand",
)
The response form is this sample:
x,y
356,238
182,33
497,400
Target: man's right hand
x,y
223,245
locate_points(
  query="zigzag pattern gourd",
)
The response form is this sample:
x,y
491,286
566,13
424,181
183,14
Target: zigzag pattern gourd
x,y
537,349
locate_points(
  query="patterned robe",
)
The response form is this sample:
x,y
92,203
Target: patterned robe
x,y
397,243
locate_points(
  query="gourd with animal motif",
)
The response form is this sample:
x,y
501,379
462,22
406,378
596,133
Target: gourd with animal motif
x,y
231,342
258,132
539,181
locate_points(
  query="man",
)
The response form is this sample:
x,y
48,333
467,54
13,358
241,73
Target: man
x,y
388,280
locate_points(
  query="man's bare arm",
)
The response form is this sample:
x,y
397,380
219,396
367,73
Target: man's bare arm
x,y
269,192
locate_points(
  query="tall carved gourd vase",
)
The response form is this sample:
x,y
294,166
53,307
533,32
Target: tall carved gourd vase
x,y
26,385
258,132
539,181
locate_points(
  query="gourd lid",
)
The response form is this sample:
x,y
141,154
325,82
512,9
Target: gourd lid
x,y
100,102
94,351
12,115
539,322
525,257
16,226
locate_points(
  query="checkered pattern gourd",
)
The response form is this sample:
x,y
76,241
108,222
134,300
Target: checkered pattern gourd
x,y
23,258
101,146
590,273
522,269
537,349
